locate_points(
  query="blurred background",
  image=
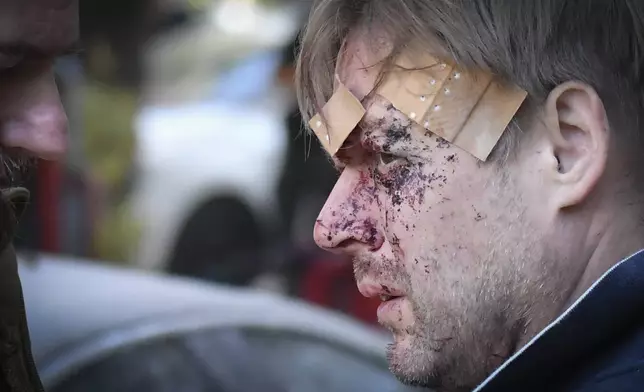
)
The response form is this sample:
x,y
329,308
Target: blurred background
x,y
186,152
187,159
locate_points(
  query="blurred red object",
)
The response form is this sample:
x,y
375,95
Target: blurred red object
x,y
49,176
61,216
329,282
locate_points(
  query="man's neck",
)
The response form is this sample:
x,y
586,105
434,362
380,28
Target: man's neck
x,y
616,238
609,241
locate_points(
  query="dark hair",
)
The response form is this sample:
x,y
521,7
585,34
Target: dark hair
x,y
14,170
535,44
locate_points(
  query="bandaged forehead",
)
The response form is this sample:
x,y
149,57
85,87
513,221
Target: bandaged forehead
x,y
468,109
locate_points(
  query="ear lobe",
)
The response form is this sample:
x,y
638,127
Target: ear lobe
x,y
578,133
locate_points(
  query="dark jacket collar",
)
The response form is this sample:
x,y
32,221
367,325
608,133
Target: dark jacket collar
x,y
611,306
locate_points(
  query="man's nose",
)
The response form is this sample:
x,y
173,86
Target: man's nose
x,y
35,120
348,221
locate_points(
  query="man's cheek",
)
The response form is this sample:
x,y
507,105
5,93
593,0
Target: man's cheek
x,y
419,183
406,184
411,211
437,231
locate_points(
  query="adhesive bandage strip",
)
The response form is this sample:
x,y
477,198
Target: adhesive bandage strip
x,y
468,109
342,113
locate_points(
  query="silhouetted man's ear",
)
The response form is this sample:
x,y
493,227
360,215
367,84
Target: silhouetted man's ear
x,y
577,131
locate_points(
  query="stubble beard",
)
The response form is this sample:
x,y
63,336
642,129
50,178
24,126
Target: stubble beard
x,y
452,347
464,330
13,169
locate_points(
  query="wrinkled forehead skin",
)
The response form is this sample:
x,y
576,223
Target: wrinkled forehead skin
x,y
48,26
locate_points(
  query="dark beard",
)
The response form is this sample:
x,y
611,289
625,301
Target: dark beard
x,y
14,168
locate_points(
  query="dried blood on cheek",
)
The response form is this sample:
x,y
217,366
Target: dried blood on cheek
x,y
406,182
399,131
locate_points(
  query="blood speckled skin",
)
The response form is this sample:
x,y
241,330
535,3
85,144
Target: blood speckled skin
x,y
461,244
403,209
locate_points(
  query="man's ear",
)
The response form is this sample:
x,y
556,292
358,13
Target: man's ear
x,y
577,128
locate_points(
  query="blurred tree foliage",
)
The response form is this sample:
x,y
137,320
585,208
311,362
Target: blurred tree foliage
x,y
108,114
114,33
110,142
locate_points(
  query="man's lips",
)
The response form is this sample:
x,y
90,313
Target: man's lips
x,y
385,291
391,311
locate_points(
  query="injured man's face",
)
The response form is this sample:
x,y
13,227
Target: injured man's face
x,y
456,248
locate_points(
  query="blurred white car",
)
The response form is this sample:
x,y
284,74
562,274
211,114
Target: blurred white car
x,y
207,182
212,145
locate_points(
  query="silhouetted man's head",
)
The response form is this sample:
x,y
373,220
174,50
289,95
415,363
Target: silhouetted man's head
x,y
32,121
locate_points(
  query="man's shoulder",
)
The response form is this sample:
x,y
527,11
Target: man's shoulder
x,y
618,368
595,345
612,323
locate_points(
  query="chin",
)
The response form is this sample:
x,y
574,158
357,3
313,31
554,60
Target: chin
x,y
415,365
408,368
410,364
